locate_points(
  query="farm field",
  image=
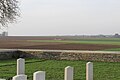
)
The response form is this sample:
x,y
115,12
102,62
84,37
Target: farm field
x,y
60,43
55,69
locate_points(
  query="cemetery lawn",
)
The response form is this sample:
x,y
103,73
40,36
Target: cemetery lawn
x,y
55,69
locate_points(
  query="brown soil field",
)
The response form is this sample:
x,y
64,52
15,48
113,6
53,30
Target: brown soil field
x,y
22,43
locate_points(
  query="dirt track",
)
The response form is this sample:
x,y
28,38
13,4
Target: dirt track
x,y
22,43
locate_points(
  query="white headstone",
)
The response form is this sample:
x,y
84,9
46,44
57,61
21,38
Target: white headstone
x,y
20,66
39,75
20,77
89,71
68,73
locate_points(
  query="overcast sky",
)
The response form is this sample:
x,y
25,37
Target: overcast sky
x,y
67,17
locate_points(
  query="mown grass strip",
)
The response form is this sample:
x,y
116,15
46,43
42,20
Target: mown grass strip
x,y
113,49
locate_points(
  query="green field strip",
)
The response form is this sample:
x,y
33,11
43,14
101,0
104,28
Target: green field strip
x,y
113,49
79,42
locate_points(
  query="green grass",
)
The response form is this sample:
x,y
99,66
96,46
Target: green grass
x,y
114,49
55,69
110,41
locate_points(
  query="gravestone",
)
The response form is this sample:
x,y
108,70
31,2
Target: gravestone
x,y
68,73
89,71
39,75
20,77
20,66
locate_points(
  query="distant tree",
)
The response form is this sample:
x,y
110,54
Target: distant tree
x,y
116,34
9,11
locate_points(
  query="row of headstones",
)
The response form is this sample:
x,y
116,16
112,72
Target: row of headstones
x,y
40,75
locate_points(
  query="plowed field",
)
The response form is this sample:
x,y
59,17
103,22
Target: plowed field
x,y
24,43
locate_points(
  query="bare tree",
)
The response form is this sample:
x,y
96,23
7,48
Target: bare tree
x,y
9,11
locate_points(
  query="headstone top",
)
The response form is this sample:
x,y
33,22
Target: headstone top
x,y
39,72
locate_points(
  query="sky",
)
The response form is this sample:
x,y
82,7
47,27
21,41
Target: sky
x,y
67,17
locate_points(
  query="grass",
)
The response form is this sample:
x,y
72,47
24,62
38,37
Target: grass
x,y
113,49
55,69
110,41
